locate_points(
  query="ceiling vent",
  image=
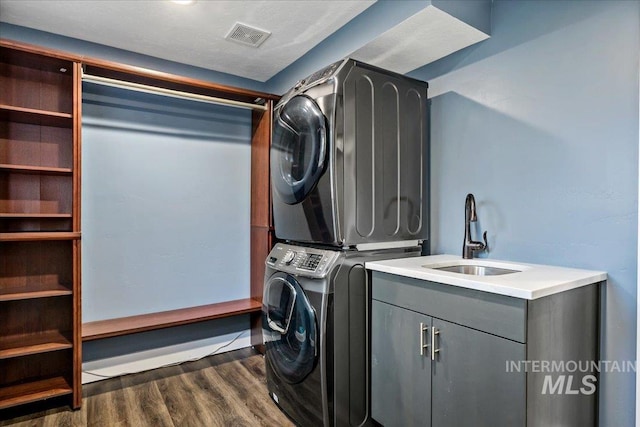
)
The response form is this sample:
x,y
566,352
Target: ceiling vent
x,y
250,36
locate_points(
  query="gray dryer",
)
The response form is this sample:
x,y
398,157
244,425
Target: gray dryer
x,y
349,158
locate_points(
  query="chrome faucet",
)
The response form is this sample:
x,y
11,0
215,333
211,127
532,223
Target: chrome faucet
x,y
470,246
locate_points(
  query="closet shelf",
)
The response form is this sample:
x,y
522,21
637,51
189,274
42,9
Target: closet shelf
x,y
39,236
35,169
26,344
34,215
165,319
33,391
34,291
35,116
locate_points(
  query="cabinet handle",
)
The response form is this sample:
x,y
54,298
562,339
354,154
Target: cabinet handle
x,y
434,350
423,328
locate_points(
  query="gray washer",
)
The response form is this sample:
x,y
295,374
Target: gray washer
x,y
316,328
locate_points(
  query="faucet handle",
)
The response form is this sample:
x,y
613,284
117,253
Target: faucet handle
x,y
486,245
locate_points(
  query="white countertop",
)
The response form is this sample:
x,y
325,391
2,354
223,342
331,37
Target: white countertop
x,y
530,282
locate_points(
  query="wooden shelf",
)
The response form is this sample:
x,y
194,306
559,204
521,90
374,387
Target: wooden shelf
x,y
38,236
35,169
33,391
165,319
35,116
24,345
33,291
40,122
34,215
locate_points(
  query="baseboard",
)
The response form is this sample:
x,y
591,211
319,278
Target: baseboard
x,y
100,369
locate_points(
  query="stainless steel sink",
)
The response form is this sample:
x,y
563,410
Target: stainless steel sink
x,y
475,270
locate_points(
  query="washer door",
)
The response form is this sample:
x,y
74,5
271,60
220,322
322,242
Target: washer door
x,y
298,149
289,329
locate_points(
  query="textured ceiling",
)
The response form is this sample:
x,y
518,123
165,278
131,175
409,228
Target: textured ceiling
x,y
428,35
192,34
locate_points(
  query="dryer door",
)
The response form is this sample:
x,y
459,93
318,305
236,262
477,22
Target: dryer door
x,y
299,148
289,328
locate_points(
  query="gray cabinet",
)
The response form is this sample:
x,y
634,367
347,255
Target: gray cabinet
x,y
401,384
472,342
470,384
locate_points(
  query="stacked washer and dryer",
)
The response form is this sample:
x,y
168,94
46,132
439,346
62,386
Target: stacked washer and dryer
x,y
349,172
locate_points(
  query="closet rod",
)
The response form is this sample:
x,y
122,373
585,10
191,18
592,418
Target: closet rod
x,y
169,92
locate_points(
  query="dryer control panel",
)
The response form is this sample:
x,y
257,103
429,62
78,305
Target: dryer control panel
x,y
301,260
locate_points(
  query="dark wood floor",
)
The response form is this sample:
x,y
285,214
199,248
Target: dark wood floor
x,y
223,390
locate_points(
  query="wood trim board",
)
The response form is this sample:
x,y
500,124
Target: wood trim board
x,y
165,319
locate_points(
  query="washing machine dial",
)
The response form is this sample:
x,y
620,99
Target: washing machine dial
x,y
289,257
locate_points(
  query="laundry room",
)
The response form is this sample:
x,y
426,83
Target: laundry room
x,y
319,213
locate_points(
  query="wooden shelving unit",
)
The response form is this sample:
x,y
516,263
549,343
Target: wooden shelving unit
x,y
34,215
40,324
40,345
261,223
149,322
35,169
24,345
39,290
38,236
35,116
262,235
33,391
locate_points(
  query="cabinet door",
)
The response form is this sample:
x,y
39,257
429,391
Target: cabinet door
x,y
401,376
470,382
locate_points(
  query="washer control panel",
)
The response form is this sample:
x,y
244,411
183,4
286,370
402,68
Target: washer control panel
x,y
301,260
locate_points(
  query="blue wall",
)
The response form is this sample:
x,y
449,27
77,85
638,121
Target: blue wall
x,y
165,203
165,221
476,13
540,122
